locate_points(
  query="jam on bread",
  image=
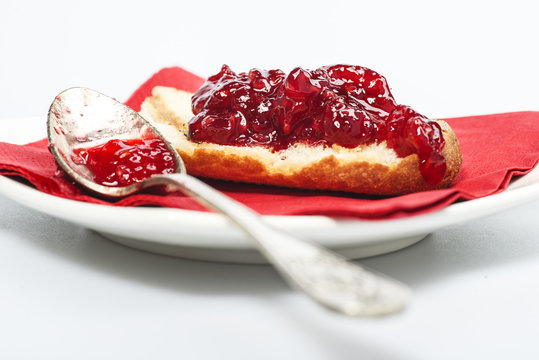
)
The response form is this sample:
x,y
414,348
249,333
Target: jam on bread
x,y
339,105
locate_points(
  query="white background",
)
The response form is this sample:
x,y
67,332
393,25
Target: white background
x,y
443,58
67,293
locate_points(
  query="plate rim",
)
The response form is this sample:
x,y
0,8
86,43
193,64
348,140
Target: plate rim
x,y
217,228
218,232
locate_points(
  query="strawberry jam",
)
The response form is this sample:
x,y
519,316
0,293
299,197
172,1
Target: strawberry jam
x,y
124,162
342,105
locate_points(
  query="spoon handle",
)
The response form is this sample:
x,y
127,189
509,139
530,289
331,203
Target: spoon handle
x,y
326,277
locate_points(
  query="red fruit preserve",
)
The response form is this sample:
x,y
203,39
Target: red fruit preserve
x,y
124,162
344,105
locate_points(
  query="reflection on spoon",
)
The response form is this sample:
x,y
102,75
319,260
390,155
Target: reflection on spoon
x,y
96,140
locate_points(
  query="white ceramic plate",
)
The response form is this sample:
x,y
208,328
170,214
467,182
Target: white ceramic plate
x,y
209,236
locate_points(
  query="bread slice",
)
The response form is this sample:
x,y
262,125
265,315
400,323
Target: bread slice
x,y
372,169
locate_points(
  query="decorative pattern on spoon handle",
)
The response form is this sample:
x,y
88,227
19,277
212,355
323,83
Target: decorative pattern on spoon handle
x,y
325,276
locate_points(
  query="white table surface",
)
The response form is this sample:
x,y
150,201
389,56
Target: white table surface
x,y
68,293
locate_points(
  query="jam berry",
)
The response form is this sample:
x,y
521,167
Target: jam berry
x,y
409,132
344,105
124,162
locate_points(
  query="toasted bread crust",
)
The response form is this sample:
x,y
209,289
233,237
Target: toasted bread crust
x,y
373,169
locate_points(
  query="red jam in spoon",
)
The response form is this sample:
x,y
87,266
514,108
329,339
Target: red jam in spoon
x,y
344,105
125,162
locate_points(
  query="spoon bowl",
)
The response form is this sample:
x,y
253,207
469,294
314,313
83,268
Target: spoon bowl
x,y
83,118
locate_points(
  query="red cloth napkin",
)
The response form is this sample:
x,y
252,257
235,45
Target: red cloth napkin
x,y
495,148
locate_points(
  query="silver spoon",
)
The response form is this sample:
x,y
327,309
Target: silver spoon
x,y
80,117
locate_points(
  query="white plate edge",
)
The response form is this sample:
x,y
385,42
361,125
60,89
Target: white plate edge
x,y
318,228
